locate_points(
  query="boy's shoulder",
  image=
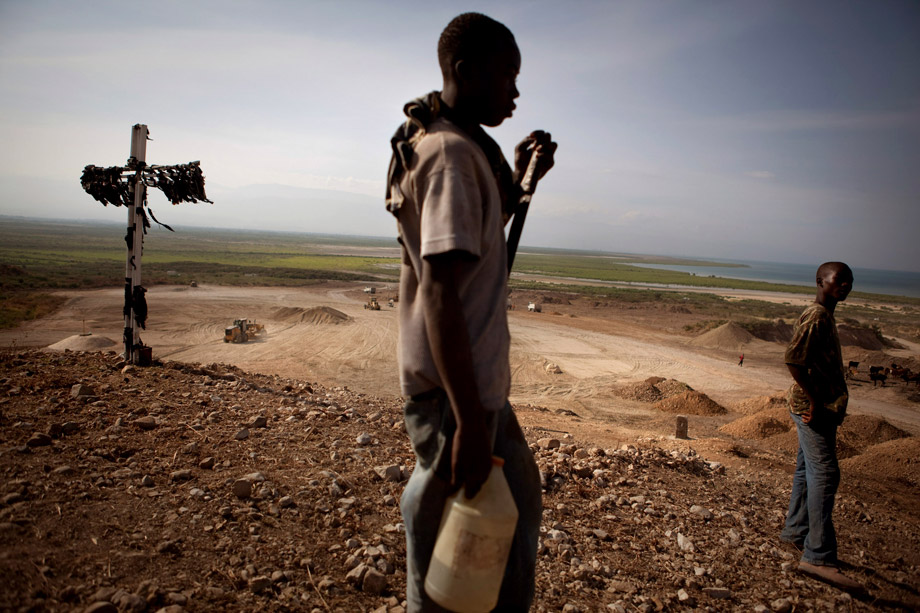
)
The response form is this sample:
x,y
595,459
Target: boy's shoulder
x,y
815,312
445,142
816,316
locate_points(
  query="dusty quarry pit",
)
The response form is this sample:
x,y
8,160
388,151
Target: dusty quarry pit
x,y
130,495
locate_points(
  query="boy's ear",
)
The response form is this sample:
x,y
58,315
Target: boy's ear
x,y
462,70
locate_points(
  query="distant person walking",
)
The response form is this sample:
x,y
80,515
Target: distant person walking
x,y
741,360
452,191
818,403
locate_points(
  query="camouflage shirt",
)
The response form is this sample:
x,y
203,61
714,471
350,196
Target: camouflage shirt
x,y
816,346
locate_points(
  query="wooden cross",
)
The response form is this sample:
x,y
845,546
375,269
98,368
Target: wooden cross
x,y
127,186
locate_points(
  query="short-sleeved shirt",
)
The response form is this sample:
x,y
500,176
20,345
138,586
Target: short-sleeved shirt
x,y
452,203
815,345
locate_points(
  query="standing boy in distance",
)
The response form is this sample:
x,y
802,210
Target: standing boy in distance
x,y
818,402
452,191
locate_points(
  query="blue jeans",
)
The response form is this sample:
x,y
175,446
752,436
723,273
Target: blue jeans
x,y
431,425
814,485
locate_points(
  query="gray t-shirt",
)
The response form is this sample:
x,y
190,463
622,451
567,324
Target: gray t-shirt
x,y
451,203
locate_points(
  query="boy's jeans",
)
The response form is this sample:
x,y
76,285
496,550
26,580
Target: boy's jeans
x,y
431,425
814,485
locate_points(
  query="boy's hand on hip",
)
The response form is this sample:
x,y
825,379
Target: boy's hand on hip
x,y
809,415
471,456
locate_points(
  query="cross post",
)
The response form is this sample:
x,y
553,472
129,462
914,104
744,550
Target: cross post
x,y
135,243
127,186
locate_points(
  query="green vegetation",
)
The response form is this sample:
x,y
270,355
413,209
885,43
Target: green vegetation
x,y
716,307
624,258
18,307
41,255
72,255
618,271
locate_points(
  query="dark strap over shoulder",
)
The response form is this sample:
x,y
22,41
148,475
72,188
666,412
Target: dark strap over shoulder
x,y
420,113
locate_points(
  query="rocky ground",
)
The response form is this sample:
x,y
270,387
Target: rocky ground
x,y
189,488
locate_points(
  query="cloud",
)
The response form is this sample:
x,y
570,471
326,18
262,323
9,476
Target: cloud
x,y
760,174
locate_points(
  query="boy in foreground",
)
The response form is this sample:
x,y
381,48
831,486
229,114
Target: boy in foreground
x,y
452,191
818,403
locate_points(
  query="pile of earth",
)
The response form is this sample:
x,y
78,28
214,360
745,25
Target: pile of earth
x,y
690,402
763,424
313,315
897,460
642,391
857,434
82,342
652,389
726,336
864,431
755,404
776,331
858,336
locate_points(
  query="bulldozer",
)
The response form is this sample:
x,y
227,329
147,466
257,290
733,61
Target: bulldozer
x,y
372,304
242,330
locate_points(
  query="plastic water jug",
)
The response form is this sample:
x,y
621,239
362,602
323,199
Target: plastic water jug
x,y
471,551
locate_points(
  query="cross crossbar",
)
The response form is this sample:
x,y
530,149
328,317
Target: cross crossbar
x,y
127,186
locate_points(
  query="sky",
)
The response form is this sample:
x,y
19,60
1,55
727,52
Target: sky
x,y
775,130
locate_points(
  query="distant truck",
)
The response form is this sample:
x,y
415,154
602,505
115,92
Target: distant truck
x,y
533,307
370,290
242,330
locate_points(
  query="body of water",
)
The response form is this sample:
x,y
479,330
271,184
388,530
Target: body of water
x,y
891,282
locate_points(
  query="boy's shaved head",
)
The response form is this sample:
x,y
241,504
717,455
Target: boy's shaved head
x,y
471,36
827,268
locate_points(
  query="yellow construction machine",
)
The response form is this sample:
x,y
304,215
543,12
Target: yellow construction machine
x,y
242,330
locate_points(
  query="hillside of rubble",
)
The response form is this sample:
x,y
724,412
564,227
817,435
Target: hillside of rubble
x,y
206,488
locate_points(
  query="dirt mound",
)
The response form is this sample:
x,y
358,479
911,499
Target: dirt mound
x,y
784,441
79,342
652,389
789,442
761,425
860,337
858,435
643,391
756,404
776,331
287,314
726,336
864,431
898,459
672,387
690,403
314,315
